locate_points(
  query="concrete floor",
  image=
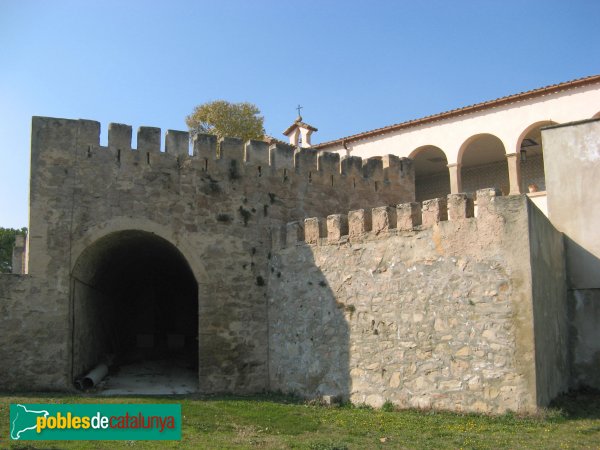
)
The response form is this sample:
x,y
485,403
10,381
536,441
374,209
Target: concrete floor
x,y
164,377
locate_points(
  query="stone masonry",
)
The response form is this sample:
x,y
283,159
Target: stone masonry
x,y
286,270
432,316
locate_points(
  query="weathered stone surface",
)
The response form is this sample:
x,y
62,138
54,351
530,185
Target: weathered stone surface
x,y
314,229
215,210
337,226
408,215
460,206
359,222
430,319
384,218
434,211
434,316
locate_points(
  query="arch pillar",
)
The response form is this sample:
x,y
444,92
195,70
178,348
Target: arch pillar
x,y
514,172
455,178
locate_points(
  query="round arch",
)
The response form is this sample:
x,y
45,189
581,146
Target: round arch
x,y
432,179
135,307
533,128
118,224
482,158
530,148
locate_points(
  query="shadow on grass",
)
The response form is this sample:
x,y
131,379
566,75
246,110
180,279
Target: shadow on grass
x,y
273,397
583,403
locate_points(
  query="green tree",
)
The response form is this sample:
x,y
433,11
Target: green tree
x,y
7,242
225,119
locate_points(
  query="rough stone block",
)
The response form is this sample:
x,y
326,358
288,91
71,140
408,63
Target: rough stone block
x,y
148,139
328,162
434,211
231,149
119,136
359,222
337,226
314,229
373,168
395,167
177,143
460,206
294,232
89,132
485,201
392,167
384,218
408,215
281,156
305,160
351,165
485,196
257,153
205,146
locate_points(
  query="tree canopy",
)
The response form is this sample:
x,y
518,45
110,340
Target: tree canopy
x,y
225,119
7,242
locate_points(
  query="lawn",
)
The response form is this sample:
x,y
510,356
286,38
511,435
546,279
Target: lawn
x,y
277,422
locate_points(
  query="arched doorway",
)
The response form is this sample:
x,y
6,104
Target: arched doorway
x,y
135,308
432,179
532,158
483,164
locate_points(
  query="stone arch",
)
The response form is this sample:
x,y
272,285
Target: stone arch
x,y
118,224
531,154
134,303
482,159
432,179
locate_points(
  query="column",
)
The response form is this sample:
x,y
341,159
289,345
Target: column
x,y
455,180
514,172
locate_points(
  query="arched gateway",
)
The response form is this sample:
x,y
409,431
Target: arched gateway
x,y
135,306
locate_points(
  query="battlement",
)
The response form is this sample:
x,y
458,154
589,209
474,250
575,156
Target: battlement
x,y
404,217
209,154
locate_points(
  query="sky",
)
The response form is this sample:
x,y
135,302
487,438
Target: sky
x,y
352,65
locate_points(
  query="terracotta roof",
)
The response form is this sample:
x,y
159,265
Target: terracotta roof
x,y
465,110
273,140
298,123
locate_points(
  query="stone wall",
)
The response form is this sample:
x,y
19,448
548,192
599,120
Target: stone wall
x,y
436,315
214,207
34,334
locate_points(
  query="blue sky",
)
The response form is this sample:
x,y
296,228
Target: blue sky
x,y
353,65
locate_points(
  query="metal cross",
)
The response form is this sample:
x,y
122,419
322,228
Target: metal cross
x,y
299,108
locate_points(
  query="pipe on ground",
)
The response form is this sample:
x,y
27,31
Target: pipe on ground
x,y
92,378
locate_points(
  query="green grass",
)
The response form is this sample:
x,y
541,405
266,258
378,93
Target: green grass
x,y
277,422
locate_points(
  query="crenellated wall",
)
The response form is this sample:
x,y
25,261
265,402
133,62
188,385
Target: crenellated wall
x,y
272,262
420,304
214,208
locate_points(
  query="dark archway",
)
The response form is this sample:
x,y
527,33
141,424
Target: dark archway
x,y
134,301
531,151
432,179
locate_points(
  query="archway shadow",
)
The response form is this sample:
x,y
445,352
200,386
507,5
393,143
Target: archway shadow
x,y
309,333
135,309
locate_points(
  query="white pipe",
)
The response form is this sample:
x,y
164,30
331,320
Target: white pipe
x,y
93,377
